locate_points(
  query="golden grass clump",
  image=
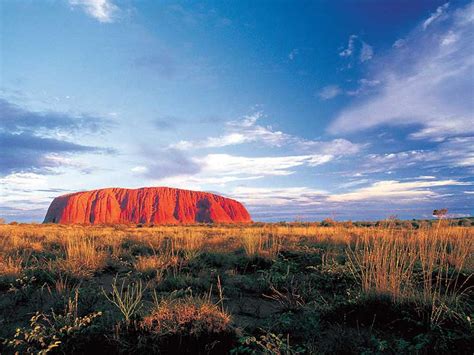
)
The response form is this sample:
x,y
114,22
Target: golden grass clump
x,y
191,315
11,266
82,257
252,243
384,265
422,266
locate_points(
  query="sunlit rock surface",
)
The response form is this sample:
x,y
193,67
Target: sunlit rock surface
x,y
158,205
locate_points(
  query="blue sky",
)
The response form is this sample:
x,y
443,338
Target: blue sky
x,y
300,109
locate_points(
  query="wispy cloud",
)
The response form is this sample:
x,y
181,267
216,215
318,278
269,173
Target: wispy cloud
x,y
225,164
247,130
452,153
25,196
171,162
440,11
223,168
259,196
102,10
395,191
17,119
392,191
34,141
428,82
292,55
356,45
329,92
366,52
347,52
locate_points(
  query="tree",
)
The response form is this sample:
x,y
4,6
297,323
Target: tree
x,y
440,213
328,222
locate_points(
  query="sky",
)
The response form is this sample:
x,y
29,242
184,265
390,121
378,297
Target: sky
x,y
302,110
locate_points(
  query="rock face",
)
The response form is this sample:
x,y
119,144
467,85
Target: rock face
x,y
159,205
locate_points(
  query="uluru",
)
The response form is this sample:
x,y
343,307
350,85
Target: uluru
x,y
154,205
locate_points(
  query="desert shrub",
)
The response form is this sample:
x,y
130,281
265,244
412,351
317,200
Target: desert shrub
x,y
328,222
465,222
187,325
192,315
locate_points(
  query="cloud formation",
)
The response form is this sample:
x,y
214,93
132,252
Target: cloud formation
x,y
427,82
221,169
392,191
171,162
440,11
454,152
30,140
284,196
395,191
102,10
17,119
356,45
329,92
247,130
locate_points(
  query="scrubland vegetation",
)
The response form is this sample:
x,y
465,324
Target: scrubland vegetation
x,y
259,289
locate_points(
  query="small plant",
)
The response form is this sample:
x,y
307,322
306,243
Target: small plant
x,y
127,299
48,333
268,343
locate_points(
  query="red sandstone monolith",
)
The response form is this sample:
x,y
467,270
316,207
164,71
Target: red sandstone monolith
x,y
157,205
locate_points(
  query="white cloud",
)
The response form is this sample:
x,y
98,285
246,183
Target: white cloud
x,y
101,10
292,55
391,191
242,131
399,43
140,169
454,152
329,92
246,130
225,164
426,83
395,191
364,86
366,52
449,38
23,180
213,142
435,15
350,47
201,182
20,190
221,169
260,196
